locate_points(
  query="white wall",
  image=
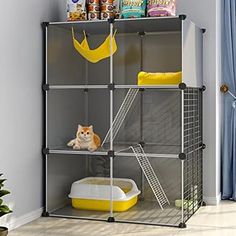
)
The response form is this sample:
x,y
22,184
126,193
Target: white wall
x,y
21,101
206,14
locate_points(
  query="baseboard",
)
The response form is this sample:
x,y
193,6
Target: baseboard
x,y
14,223
212,200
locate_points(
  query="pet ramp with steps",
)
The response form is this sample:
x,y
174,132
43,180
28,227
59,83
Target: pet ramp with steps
x,y
121,114
150,175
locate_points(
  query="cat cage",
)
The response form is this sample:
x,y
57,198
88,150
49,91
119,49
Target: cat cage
x,y
151,134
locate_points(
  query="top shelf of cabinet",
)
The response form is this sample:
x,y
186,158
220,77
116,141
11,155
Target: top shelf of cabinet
x,y
133,25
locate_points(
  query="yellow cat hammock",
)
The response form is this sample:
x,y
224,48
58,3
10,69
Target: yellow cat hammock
x,y
97,54
103,51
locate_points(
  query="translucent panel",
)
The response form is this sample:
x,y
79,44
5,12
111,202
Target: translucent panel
x,y
150,53
62,171
162,52
68,108
66,66
76,188
157,53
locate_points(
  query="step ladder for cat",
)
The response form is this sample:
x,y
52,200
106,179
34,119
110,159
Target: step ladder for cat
x,y
121,114
150,175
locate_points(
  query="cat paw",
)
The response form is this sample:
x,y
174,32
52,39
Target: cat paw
x,y
71,143
92,149
76,147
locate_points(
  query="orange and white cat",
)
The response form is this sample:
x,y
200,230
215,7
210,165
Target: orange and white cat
x,y
85,139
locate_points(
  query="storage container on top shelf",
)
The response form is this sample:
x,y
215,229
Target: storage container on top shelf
x,y
166,44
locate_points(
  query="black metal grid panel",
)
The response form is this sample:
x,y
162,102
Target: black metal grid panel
x,y
193,150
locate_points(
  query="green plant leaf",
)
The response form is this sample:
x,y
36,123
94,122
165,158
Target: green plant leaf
x,y
2,213
3,193
2,181
5,209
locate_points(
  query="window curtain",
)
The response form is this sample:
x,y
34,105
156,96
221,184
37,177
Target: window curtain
x,y
229,118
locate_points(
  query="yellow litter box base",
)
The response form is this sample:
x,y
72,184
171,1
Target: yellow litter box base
x,y
103,205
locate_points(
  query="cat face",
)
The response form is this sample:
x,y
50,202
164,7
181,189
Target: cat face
x,y
85,133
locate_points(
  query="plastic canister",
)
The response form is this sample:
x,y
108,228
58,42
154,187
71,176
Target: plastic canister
x,y
76,10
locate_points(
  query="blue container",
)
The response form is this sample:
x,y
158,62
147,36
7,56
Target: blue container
x,y
133,8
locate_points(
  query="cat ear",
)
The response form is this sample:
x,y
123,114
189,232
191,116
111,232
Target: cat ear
x,y
91,127
79,127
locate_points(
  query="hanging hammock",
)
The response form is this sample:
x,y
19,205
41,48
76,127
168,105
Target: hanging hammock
x,y
94,55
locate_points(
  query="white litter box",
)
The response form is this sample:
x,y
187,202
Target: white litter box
x,y
93,193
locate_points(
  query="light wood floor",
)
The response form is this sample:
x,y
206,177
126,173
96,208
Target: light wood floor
x,y
209,220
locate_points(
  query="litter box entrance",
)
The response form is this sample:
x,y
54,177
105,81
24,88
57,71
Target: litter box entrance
x,y
124,186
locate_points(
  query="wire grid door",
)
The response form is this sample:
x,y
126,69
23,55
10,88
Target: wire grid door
x,y
193,151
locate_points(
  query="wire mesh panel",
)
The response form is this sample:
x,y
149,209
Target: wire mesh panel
x,y
193,150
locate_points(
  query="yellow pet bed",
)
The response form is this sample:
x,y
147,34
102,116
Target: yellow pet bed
x,y
145,78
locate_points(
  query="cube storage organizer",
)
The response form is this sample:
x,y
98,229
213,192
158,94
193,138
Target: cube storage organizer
x,y
152,134
93,193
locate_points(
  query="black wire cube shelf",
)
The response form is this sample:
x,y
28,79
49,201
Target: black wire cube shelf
x,y
151,134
